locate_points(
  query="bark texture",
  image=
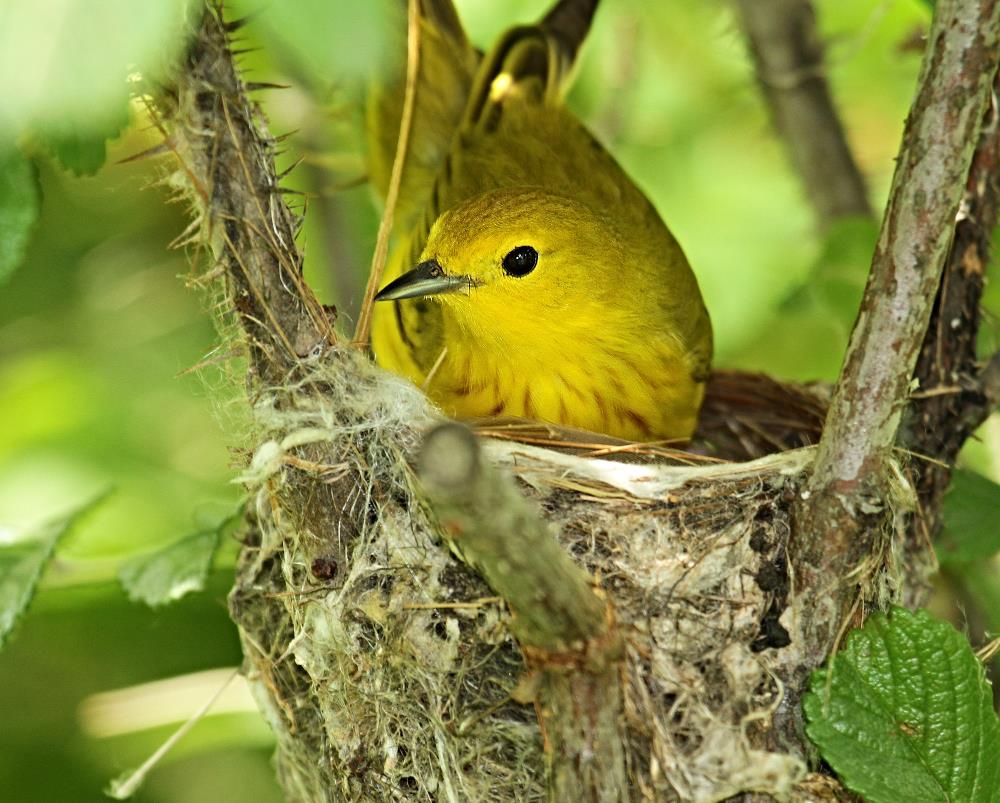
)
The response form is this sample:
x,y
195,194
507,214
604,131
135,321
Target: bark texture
x,y
856,492
955,391
941,133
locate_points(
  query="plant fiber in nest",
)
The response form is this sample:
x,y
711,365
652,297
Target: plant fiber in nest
x,y
387,655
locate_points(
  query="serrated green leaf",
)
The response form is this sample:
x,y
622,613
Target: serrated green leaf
x,y
971,513
167,574
19,200
23,563
172,572
21,567
905,714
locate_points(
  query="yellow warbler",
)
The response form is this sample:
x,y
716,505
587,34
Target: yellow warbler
x,y
539,282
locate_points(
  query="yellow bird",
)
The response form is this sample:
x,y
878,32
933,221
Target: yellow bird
x,y
535,279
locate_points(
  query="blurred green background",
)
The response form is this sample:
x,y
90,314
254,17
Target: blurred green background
x,y
99,334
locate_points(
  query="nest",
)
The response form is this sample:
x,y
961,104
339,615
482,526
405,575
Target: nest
x,y
373,646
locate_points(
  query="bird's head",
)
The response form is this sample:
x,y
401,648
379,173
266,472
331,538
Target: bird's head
x,y
513,260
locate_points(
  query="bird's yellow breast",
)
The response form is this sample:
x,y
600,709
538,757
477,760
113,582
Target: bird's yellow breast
x,y
641,393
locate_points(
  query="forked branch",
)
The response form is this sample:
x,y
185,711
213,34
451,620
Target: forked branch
x,y
842,519
938,142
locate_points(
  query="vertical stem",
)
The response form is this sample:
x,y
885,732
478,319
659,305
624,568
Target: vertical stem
x,y
363,330
838,520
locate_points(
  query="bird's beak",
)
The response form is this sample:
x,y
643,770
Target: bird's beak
x,y
427,279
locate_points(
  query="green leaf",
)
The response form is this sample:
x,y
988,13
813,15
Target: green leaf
x,y
905,713
19,200
166,575
971,513
83,149
170,573
23,563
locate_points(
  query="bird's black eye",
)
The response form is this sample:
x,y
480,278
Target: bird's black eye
x,y
521,261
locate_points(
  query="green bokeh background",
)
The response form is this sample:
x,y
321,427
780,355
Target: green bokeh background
x,y
98,330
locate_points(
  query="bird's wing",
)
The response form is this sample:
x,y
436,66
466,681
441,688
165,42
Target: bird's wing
x,y
531,60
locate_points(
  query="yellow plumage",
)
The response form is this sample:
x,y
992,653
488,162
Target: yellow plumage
x,y
547,285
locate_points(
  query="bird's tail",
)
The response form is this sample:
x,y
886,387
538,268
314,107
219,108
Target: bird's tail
x,y
568,21
533,61
461,90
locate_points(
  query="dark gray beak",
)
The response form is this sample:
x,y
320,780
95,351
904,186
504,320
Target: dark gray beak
x,y
427,279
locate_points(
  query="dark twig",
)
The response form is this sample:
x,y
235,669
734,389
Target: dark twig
x,y
788,59
569,21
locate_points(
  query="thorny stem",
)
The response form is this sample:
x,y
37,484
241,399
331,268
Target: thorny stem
x,y
228,157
